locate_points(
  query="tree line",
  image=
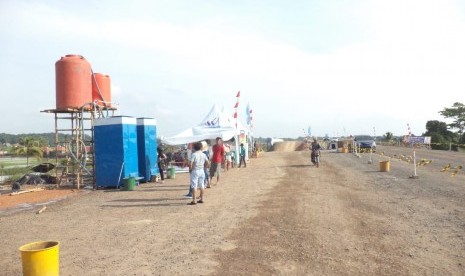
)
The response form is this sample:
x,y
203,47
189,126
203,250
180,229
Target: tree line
x,y
46,139
448,135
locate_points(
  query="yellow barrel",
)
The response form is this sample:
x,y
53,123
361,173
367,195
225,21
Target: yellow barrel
x,y
40,258
384,166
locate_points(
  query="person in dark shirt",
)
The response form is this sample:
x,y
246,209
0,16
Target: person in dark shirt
x,y
161,163
242,156
315,148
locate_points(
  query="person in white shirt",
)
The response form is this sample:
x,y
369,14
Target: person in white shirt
x,y
197,164
227,156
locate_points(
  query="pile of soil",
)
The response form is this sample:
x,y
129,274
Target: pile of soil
x,y
303,146
288,146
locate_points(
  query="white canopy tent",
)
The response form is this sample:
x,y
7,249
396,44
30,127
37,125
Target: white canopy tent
x,y
215,124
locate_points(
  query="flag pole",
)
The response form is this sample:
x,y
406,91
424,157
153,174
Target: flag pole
x,y
236,153
252,138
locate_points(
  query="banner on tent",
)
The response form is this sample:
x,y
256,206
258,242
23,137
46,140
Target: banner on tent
x,y
242,137
213,123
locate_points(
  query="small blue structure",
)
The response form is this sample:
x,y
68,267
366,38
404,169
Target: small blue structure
x,y
147,148
115,143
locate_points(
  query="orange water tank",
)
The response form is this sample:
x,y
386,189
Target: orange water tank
x,y
101,83
73,82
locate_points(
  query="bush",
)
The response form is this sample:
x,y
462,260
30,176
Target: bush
x,y
438,142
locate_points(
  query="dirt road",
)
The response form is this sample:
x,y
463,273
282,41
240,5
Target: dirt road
x,y
278,216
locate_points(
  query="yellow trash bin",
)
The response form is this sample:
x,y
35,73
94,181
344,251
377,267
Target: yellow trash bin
x,y
384,166
40,258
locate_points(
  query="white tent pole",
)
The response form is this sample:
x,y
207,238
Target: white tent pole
x,y
237,133
236,153
237,141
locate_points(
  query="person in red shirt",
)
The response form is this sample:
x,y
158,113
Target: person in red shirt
x,y
217,159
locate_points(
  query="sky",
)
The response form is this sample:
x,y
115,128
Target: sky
x,y
341,67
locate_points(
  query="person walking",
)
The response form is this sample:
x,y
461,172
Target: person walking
x,y
161,163
207,171
197,165
242,156
228,157
233,159
217,159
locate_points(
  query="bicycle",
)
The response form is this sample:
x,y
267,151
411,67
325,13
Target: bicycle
x,y
315,157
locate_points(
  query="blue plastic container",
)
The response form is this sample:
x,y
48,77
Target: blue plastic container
x,y
116,158
147,148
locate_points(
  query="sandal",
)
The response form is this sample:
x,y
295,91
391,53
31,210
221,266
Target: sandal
x,y
192,203
200,201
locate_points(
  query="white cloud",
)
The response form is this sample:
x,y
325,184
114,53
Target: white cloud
x,y
164,110
414,50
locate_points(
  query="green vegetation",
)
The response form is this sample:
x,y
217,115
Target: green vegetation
x,y
442,138
47,138
30,147
15,173
457,114
15,168
388,136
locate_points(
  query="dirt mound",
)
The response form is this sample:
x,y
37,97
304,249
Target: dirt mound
x,y
303,146
289,146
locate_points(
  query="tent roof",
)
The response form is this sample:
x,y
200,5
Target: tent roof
x,y
215,124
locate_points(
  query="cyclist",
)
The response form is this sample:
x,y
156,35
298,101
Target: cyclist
x,y
315,148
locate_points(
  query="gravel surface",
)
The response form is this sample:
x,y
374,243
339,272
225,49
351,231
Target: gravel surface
x,y
278,216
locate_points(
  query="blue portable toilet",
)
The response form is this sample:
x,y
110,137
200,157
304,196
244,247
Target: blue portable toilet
x,y
147,148
115,143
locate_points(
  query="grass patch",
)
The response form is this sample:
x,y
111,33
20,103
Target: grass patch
x,y
15,171
17,162
16,167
